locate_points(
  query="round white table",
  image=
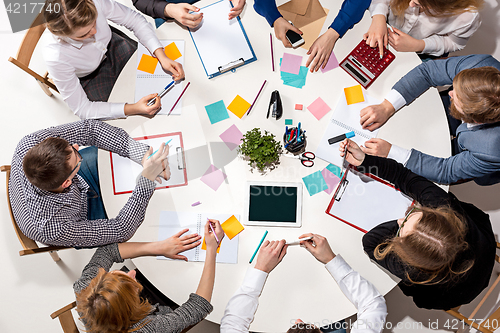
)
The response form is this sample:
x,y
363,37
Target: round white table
x,y
300,287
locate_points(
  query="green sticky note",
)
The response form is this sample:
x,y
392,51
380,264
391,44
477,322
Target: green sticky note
x,y
288,121
315,183
217,112
334,169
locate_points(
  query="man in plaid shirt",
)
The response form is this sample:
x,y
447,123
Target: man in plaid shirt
x,y
49,196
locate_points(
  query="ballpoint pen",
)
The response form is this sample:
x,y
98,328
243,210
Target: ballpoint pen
x,y
160,94
166,143
217,238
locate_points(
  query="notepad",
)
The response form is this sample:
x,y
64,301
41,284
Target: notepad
x,y
354,94
315,183
238,106
232,137
213,177
216,112
319,108
172,222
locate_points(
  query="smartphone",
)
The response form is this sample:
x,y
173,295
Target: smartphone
x,y
294,38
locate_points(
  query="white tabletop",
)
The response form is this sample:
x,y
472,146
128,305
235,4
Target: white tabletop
x,y
300,287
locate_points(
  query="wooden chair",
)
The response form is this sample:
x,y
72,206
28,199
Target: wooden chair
x,y
66,318
29,245
488,324
25,52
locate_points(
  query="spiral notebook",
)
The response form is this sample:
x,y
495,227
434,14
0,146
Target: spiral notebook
x,y
172,222
345,119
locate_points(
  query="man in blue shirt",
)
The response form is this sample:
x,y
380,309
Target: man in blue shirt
x,y
350,13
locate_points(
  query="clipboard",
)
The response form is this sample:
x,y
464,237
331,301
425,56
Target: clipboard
x,y
222,44
124,171
363,201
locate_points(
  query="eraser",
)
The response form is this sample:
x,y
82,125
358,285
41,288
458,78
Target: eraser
x,y
298,106
350,134
196,203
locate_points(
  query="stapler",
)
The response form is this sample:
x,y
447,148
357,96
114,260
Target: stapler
x,y
275,105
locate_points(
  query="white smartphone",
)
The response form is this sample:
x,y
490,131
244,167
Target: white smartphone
x,y
294,38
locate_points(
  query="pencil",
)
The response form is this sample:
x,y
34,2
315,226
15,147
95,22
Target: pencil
x,y
272,53
255,100
178,99
258,247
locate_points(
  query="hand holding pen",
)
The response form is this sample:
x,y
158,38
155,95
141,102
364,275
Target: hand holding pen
x,y
213,234
351,153
270,255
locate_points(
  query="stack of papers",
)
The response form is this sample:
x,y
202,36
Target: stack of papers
x,y
288,76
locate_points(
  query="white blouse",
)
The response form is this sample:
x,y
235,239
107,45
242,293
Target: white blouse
x,y
68,60
440,34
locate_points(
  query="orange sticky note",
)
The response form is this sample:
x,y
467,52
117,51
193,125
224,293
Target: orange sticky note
x,y
232,227
148,64
204,246
172,51
238,106
354,95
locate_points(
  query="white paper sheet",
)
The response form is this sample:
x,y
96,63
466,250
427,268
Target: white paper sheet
x,y
173,222
146,83
345,119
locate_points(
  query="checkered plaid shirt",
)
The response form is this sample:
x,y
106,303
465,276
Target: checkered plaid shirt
x,y
61,218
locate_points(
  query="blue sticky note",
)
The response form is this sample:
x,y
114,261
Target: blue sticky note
x,y
295,80
315,183
217,112
288,121
334,169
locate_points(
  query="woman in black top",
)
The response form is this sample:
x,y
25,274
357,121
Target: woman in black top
x,y
443,252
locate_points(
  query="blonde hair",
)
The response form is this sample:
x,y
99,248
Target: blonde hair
x,y
438,8
430,250
64,17
478,90
111,303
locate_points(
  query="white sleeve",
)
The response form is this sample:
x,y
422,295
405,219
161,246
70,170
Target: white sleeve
x,y
372,310
73,94
132,20
399,154
240,309
379,7
396,99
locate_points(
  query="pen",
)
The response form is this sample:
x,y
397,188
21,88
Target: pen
x,y
298,132
344,159
178,99
255,100
298,242
341,137
258,247
217,238
166,143
272,54
160,94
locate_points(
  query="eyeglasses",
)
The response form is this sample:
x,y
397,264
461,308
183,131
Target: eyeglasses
x,y
79,163
404,221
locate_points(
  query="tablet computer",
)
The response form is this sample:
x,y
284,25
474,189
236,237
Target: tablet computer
x,y
273,204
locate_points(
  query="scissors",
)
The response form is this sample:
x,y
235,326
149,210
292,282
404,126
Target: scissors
x,y
307,158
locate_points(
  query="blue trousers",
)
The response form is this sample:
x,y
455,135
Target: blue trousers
x,y
89,172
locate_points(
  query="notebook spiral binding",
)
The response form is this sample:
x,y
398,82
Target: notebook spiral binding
x,y
349,128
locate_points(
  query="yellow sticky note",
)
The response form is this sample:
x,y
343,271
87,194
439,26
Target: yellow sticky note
x,y
238,106
232,227
354,95
172,51
148,64
204,246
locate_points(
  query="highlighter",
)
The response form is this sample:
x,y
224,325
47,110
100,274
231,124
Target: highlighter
x,y
341,137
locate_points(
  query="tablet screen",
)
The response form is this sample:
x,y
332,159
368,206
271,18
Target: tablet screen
x,y
273,203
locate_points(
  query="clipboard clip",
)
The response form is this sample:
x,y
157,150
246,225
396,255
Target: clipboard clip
x,y
342,186
181,161
231,66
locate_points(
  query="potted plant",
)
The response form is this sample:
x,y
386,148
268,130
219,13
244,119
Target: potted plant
x,y
261,151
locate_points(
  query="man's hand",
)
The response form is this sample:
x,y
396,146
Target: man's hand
x,y
172,246
319,247
377,147
377,33
374,116
402,42
210,238
157,164
281,26
355,155
180,13
142,109
270,255
237,9
321,49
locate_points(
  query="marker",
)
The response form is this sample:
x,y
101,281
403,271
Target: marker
x,y
341,137
298,242
217,238
160,94
166,143
258,247
298,132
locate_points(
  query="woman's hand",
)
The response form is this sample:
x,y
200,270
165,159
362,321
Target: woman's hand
x,y
170,66
321,49
402,42
237,9
355,155
172,246
281,26
377,33
180,13
141,108
210,239
156,165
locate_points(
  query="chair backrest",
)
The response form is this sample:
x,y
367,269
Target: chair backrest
x,y
66,318
29,245
27,48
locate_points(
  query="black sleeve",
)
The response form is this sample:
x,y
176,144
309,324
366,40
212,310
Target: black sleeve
x,y
417,187
153,8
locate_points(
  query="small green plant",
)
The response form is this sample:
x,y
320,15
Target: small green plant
x,y
262,151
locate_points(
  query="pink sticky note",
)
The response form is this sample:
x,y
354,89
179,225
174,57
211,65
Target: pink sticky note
x,y
331,180
318,108
232,137
331,64
213,177
291,63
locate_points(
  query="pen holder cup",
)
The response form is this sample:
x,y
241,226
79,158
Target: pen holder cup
x,y
293,146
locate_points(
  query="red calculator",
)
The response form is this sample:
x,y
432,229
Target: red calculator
x,y
364,63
